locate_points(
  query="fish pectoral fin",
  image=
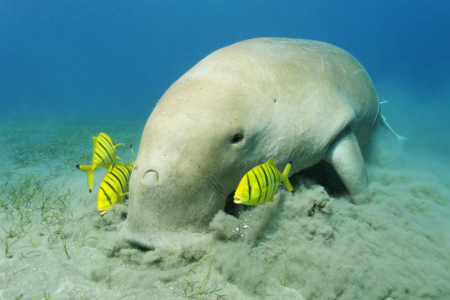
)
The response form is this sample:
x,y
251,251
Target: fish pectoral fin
x,y
132,152
118,157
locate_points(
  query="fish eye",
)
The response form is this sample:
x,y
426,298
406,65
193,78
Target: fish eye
x,y
237,138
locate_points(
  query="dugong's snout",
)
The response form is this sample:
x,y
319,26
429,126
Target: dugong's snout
x,y
165,210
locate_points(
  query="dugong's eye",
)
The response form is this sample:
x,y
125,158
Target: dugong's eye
x,y
237,138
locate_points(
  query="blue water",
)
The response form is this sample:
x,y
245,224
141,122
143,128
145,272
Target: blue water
x,y
114,58
83,67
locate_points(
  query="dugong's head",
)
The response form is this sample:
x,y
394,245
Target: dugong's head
x,y
197,144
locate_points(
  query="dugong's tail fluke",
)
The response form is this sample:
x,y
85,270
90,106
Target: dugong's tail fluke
x,y
400,138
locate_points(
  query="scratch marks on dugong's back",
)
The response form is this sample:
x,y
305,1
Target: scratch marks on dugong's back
x,y
326,51
359,70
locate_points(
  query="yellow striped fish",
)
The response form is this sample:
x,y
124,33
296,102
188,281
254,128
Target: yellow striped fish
x,y
261,183
103,155
114,186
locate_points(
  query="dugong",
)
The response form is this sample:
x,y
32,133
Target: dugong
x,y
295,100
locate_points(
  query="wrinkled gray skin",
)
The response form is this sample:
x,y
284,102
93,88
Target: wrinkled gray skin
x,y
291,99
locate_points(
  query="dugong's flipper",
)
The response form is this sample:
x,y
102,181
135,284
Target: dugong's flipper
x,y
345,157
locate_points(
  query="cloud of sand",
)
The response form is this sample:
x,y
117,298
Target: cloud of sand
x,y
394,243
315,244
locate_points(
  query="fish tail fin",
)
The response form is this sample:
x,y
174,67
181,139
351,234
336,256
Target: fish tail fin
x,y
285,177
90,173
90,180
132,152
84,168
401,139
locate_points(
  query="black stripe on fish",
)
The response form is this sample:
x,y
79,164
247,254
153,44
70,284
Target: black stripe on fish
x,y
276,175
268,180
101,145
112,180
124,173
125,176
98,155
107,197
273,174
103,137
249,188
100,151
117,170
120,181
111,187
107,140
274,183
259,186
274,190
267,183
262,179
111,146
128,169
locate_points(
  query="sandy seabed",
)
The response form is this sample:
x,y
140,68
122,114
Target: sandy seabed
x,y
394,244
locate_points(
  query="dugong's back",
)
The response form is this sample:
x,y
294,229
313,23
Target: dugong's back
x,y
313,83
